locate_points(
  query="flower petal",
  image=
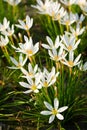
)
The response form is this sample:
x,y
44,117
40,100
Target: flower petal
x,y
51,118
60,117
56,103
45,112
48,105
62,109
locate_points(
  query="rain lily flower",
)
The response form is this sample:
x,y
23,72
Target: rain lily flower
x,y
43,6
69,42
26,25
32,72
27,48
83,67
57,55
48,78
5,25
54,9
32,85
68,19
59,15
54,111
78,31
79,19
9,31
18,64
3,41
72,62
13,2
81,3
68,2
52,45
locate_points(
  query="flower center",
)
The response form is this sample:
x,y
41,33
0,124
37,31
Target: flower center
x,y
69,47
45,84
71,63
19,65
29,52
54,112
26,27
33,87
67,22
30,74
56,58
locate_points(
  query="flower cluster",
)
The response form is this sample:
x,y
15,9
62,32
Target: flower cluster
x,y
45,79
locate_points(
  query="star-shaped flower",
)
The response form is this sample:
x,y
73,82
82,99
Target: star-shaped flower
x,y
54,111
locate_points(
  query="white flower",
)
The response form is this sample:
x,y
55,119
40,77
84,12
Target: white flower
x,y
54,111
68,19
5,25
72,62
28,48
54,9
69,42
52,45
79,19
57,55
32,72
68,2
43,6
9,31
60,14
83,67
26,25
3,41
78,31
13,2
81,3
48,78
32,85
18,64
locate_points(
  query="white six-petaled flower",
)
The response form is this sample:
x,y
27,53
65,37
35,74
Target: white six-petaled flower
x,y
18,64
26,25
69,42
3,41
32,71
13,2
4,25
27,48
32,85
54,111
48,78
72,62
52,44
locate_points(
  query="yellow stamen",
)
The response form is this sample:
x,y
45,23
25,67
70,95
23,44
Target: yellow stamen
x,y
69,47
45,84
54,112
30,74
56,58
26,27
71,63
29,52
33,87
19,65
